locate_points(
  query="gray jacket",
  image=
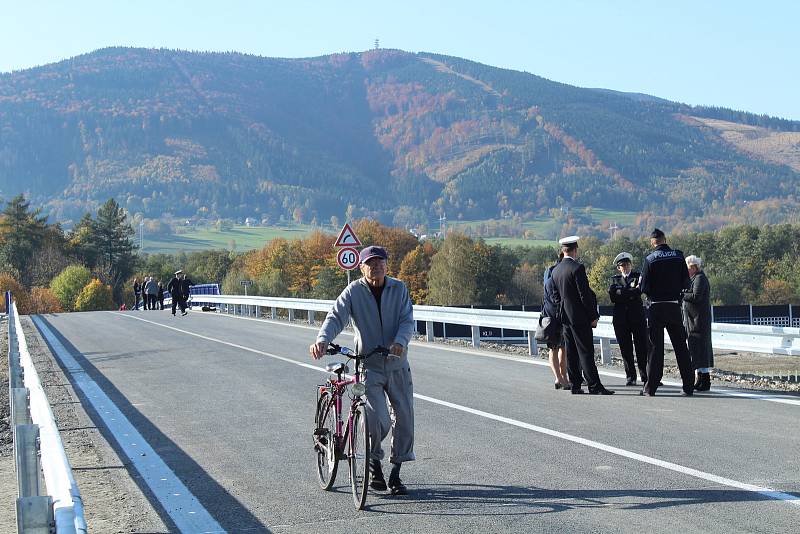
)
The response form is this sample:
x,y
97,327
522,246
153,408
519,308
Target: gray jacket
x,y
394,324
151,287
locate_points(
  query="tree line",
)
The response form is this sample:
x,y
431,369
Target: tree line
x,y
92,265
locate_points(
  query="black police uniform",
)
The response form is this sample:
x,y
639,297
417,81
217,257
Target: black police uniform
x,y
175,291
578,309
664,279
630,323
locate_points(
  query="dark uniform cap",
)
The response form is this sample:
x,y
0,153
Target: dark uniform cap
x,y
657,234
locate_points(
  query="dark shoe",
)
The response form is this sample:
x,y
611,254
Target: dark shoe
x,y
698,382
687,393
644,392
577,391
184,313
630,382
557,385
705,382
377,482
396,486
601,391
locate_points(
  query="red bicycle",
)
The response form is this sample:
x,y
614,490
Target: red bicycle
x,y
333,439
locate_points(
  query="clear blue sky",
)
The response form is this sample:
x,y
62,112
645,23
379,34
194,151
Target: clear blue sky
x,y
738,54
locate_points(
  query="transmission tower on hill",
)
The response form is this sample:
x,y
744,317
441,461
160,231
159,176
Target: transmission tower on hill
x,y
613,230
377,44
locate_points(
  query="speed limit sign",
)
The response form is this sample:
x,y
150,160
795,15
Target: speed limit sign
x,y
347,258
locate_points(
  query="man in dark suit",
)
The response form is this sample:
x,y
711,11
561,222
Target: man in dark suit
x,y
578,310
665,278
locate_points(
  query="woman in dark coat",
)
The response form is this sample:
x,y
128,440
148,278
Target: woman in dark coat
x,y
555,345
697,319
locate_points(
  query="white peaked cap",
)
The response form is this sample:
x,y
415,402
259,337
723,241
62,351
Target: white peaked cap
x,y
623,256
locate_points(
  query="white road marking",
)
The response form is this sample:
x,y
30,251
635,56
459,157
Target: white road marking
x,y
179,503
781,399
765,491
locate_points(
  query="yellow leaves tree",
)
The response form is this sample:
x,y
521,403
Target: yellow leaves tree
x,y
600,278
414,272
95,296
396,241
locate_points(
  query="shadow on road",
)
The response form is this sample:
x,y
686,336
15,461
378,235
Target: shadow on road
x,y
224,507
474,499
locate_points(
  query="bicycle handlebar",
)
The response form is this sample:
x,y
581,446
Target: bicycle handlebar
x,y
333,348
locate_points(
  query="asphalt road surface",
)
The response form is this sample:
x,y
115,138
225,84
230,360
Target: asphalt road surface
x,y
227,404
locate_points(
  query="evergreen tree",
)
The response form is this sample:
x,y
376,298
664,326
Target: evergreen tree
x,y
111,239
22,232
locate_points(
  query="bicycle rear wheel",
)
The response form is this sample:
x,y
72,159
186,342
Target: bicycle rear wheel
x,y
325,442
359,455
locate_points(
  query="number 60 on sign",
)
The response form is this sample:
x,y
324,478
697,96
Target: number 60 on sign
x,y
347,258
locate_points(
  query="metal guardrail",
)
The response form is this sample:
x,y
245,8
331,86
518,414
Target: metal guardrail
x,y
38,450
750,338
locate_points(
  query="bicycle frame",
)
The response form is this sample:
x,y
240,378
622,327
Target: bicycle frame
x,y
336,389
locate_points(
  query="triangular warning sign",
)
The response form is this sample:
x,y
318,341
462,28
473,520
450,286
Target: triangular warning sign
x,y
347,237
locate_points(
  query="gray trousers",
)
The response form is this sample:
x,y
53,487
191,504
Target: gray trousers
x,y
398,387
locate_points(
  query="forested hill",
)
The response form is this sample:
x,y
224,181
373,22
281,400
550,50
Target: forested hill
x,y
393,135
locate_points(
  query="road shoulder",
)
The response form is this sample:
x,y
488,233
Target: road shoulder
x,y
113,501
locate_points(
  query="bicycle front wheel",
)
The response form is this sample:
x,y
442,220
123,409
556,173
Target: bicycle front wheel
x,y
359,455
325,442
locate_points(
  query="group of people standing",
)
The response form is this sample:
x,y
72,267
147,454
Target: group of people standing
x,y
149,294
677,300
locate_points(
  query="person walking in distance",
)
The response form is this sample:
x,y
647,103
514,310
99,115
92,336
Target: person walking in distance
x,y
664,280
380,309
630,325
174,288
186,287
697,318
578,312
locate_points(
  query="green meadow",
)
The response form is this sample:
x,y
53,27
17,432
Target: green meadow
x,y
239,238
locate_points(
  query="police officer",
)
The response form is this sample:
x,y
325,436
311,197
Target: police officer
x,y
664,279
629,319
578,313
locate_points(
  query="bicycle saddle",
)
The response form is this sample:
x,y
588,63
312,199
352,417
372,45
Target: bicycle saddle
x,y
337,367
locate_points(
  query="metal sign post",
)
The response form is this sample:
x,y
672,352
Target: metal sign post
x,y
245,283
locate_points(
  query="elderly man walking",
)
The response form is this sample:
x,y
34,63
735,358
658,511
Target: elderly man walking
x,y
382,315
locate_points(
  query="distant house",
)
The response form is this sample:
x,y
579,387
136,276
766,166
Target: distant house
x,y
250,222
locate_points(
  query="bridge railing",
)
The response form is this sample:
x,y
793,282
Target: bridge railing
x,y
749,338
47,494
